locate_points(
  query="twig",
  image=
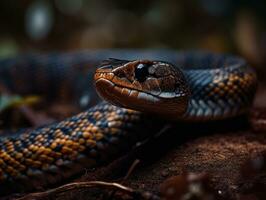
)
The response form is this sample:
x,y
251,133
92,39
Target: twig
x,y
129,172
166,128
75,186
36,119
132,167
85,185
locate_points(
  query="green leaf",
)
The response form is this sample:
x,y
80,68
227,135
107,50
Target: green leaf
x,y
13,101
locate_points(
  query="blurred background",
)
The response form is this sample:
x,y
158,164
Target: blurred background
x,y
233,26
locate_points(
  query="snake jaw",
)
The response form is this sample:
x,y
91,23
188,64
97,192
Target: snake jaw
x,y
163,91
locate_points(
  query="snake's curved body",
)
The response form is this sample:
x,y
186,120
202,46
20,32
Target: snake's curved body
x,y
220,87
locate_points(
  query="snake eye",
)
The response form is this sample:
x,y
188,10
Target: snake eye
x,y
141,72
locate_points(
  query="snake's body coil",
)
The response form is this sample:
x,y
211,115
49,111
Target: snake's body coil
x,y
221,87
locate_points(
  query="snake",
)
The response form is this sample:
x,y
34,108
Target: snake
x,y
140,91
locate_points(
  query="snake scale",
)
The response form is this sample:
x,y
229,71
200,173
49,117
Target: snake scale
x,y
199,86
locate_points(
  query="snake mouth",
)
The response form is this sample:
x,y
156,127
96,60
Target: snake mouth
x,y
122,96
126,89
135,99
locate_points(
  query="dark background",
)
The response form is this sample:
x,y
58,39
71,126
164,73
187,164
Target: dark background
x,y
231,26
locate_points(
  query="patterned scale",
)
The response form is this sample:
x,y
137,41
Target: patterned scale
x,y
51,76
221,87
60,150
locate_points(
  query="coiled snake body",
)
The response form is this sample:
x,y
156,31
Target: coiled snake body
x,y
198,87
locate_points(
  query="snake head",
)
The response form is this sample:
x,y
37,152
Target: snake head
x,y
143,85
